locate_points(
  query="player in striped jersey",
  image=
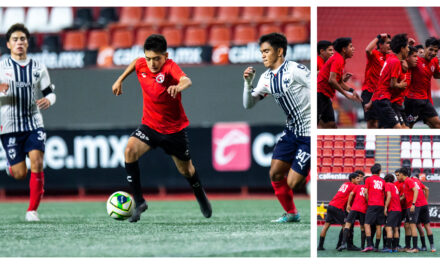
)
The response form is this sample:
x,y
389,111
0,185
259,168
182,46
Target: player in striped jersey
x,y
289,84
22,131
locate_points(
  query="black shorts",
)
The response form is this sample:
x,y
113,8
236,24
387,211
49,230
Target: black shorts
x,y
400,111
353,215
176,144
423,215
419,109
335,215
366,97
385,113
325,109
412,218
394,219
375,215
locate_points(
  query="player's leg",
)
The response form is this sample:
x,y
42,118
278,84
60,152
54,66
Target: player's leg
x,y
407,235
396,237
422,236
36,184
186,168
322,235
424,219
18,171
13,145
346,230
326,115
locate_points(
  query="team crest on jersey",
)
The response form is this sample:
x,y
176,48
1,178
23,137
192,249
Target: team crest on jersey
x,y
160,78
12,153
144,75
286,81
432,68
36,75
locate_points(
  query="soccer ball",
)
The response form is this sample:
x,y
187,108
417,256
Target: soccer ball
x,y
120,205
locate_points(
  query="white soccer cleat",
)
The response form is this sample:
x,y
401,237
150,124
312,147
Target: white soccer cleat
x,y
32,216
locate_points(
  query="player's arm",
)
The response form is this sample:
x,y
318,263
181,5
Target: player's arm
x,y
249,97
387,203
350,198
48,91
416,193
117,85
183,84
426,190
341,87
366,194
400,85
370,47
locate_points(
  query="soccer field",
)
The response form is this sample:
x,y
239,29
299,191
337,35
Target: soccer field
x,y
333,234
238,228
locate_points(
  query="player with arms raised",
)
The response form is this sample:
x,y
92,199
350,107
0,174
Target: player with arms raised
x,y
289,83
164,120
22,129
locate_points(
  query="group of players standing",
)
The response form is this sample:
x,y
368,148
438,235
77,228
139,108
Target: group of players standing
x,y
380,202
396,92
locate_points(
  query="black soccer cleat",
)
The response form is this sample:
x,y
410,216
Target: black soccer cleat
x,y
320,248
142,207
342,247
353,248
205,205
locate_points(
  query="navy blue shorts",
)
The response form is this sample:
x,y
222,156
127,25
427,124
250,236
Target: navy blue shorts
x,y
295,150
18,145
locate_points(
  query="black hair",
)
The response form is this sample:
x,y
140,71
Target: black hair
x,y
420,46
341,43
17,27
404,171
432,42
398,42
323,44
352,176
389,178
276,41
156,43
382,40
412,50
376,168
361,173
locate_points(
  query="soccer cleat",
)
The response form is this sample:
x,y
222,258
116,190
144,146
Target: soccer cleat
x,y
205,205
387,250
321,248
142,207
433,248
413,250
288,218
342,247
370,248
353,248
32,216
423,249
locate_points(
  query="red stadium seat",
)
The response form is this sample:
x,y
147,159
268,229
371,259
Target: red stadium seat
x,y
320,137
244,34
277,12
337,170
350,144
179,14
302,13
328,144
337,162
296,33
75,40
359,162
98,38
142,34
327,162
350,138
325,170
219,35
319,144
338,153
369,162
319,153
130,15
269,28
122,38
155,15
203,14
339,144
349,153
327,153
348,162
359,168
252,13
360,153
228,14
347,169
328,137
173,36
319,162
195,36
339,137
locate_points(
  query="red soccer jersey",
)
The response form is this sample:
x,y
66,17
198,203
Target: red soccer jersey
x,y
375,63
422,196
341,197
376,188
336,64
395,197
391,69
321,63
359,202
397,94
161,112
421,78
408,185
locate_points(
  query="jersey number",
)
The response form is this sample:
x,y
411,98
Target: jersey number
x,y
378,185
343,188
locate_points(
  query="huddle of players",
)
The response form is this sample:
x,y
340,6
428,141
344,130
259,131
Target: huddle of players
x,y
396,92
380,202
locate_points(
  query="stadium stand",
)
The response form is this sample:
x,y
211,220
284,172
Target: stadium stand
x,y
60,18
74,40
37,19
11,16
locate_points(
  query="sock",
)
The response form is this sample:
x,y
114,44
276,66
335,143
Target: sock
x,y
285,196
134,181
414,239
422,239
36,185
350,237
345,235
388,242
431,239
321,241
377,243
194,181
407,241
369,241
395,242
363,237
341,235
384,236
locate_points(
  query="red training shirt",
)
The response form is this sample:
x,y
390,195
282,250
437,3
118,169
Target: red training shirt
x,y
359,202
321,63
408,184
421,78
336,64
375,186
397,94
341,197
391,69
161,112
375,62
423,200
395,197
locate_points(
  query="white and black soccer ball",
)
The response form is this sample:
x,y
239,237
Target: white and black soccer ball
x,y
120,205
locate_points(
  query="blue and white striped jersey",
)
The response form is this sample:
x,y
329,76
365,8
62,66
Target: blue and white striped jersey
x,y
19,111
290,87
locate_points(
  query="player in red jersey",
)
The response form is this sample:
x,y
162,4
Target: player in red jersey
x,y
356,209
374,194
164,120
420,50
330,79
325,51
393,213
418,102
388,82
336,207
377,52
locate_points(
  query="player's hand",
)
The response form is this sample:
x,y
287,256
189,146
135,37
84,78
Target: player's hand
x,y
385,212
412,209
354,97
348,208
404,64
43,103
368,105
4,87
403,83
117,88
249,75
347,77
173,90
